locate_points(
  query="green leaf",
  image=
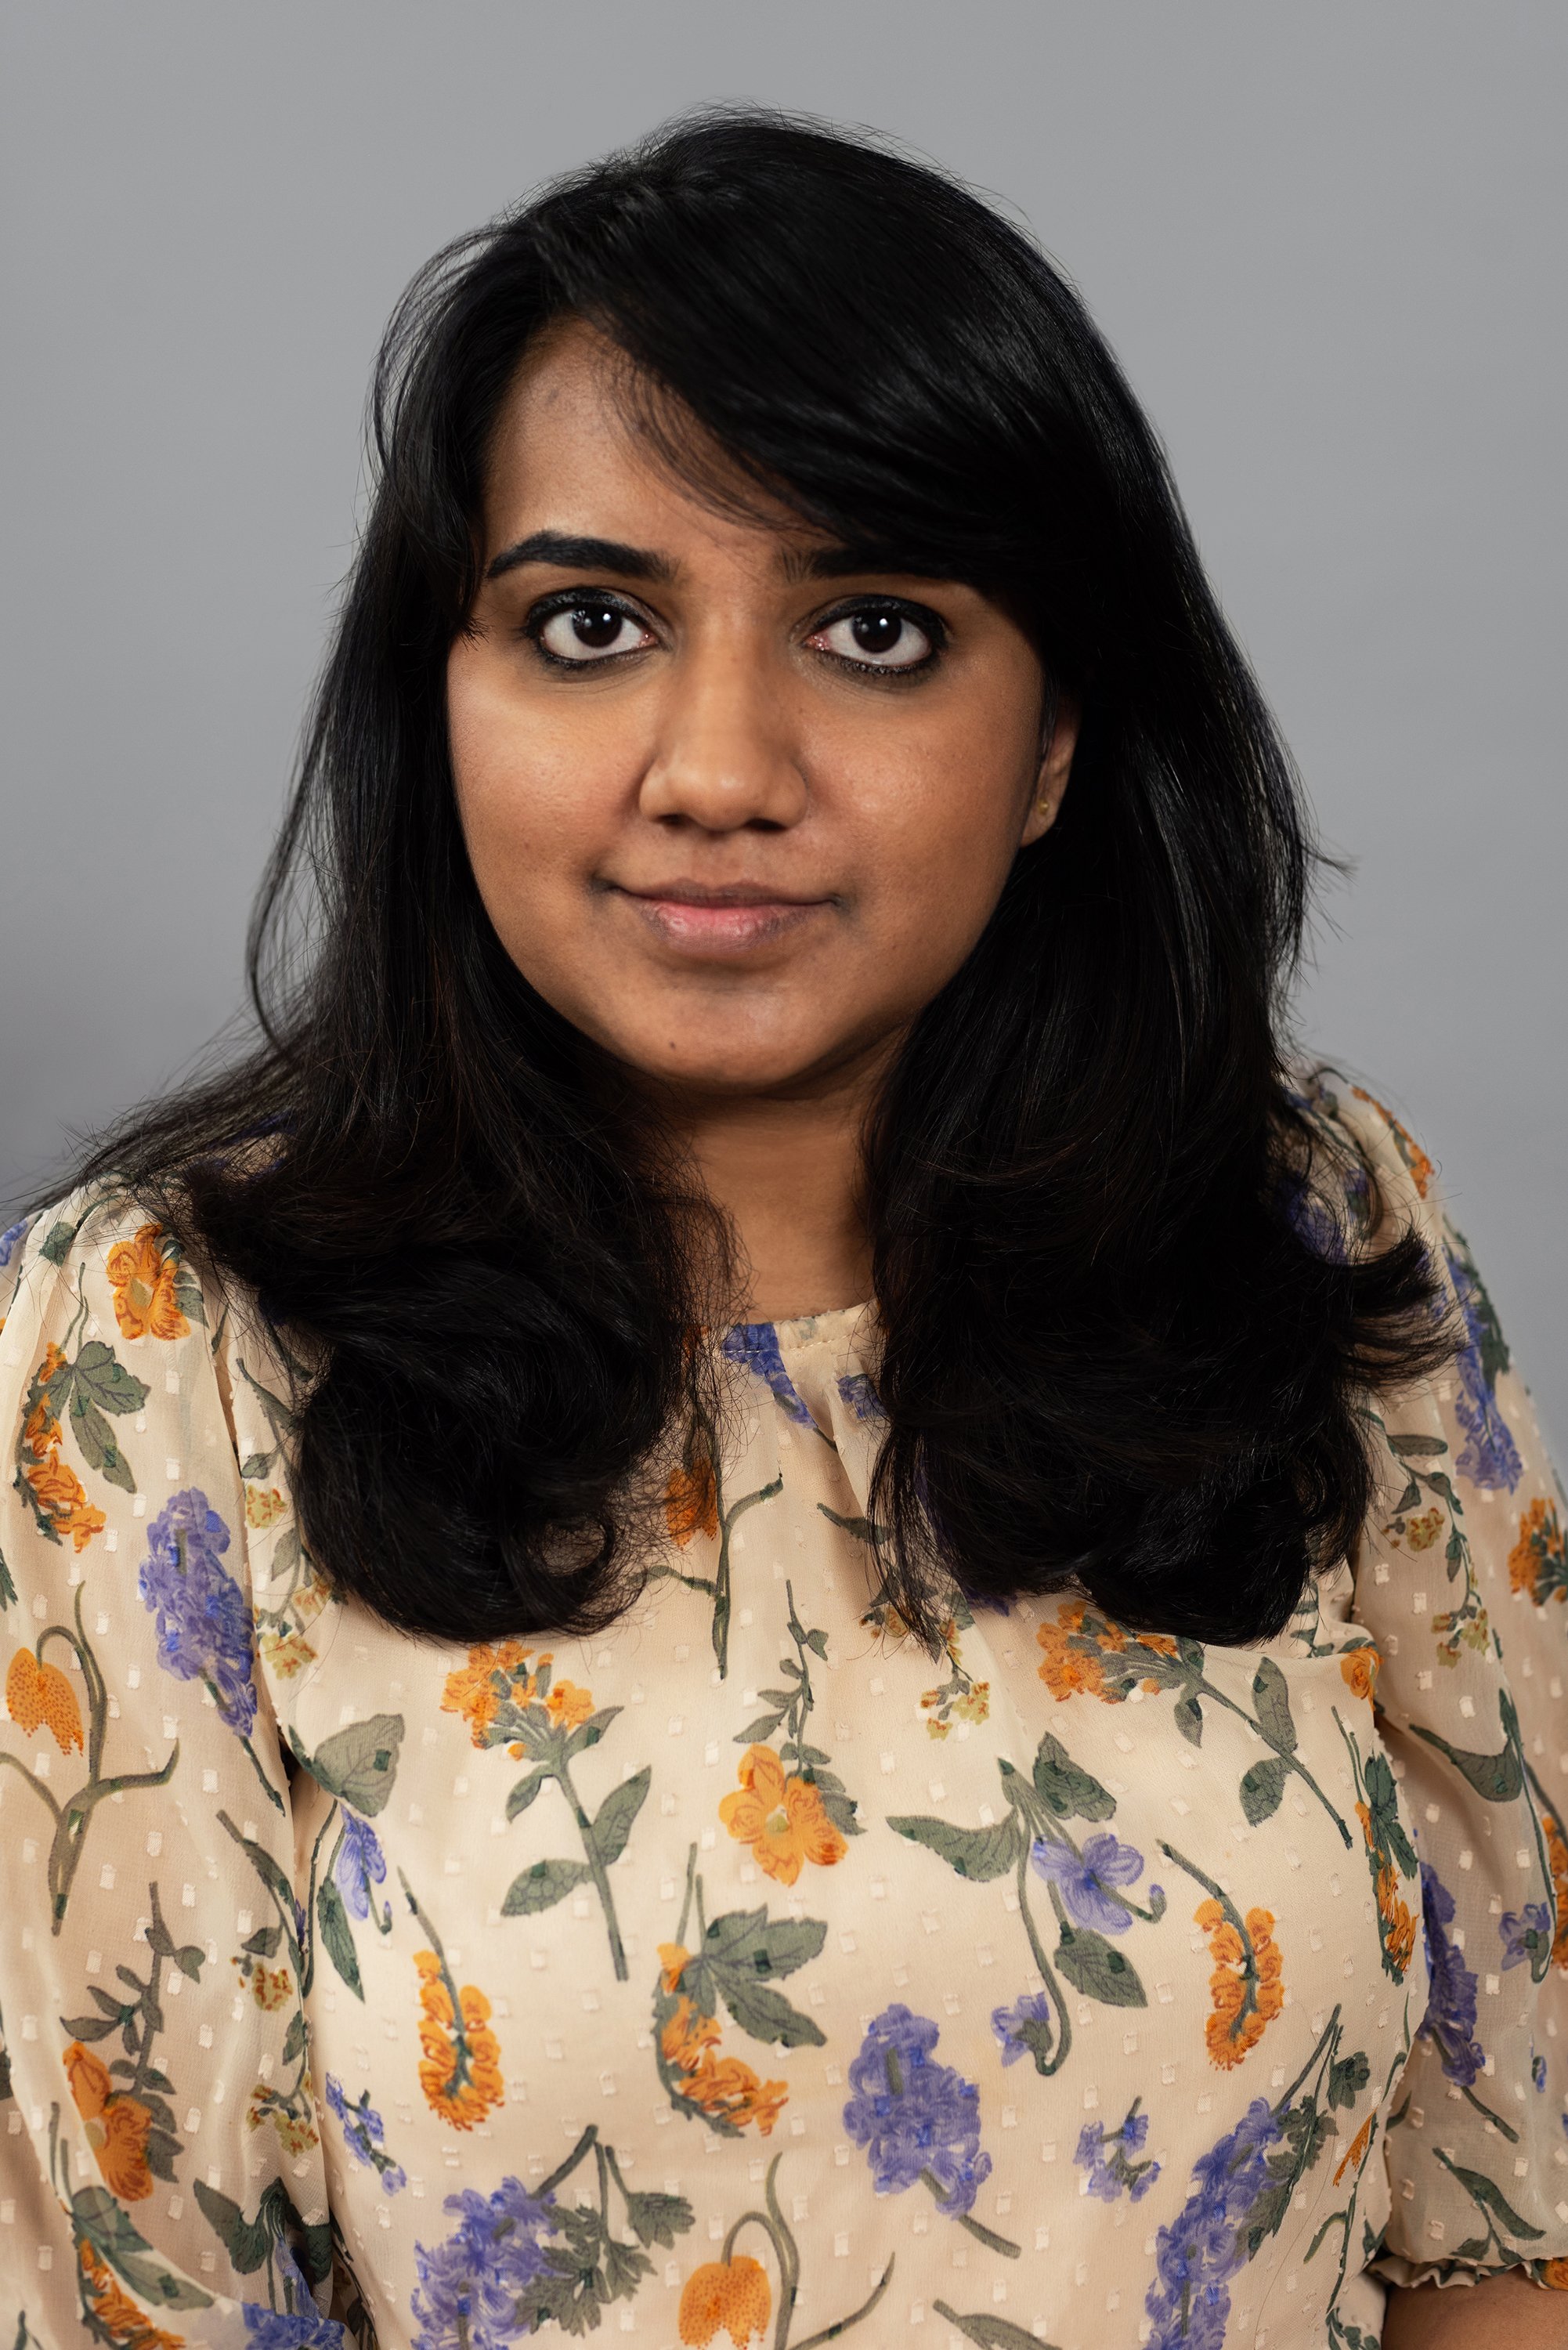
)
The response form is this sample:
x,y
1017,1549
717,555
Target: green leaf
x,y
1416,1448
189,1959
613,1822
1496,1778
1347,2076
588,1733
188,1296
99,1449
109,2231
359,1763
56,1246
816,1641
765,1947
658,2219
977,1854
991,2332
335,1934
526,1792
294,2038
255,1464
1190,1719
1261,1788
1064,1789
541,1886
90,2027
263,1943
1097,1968
1273,1701
7,1588
111,1387
1494,2200
763,2013
246,2242
761,1731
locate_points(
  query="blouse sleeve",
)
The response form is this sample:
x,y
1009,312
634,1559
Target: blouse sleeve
x,y
1462,1578
162,2178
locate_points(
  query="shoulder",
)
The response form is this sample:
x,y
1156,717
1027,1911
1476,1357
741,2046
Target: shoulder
x,y
1378,1178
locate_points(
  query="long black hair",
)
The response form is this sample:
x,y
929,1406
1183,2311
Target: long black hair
x,y
1119,1348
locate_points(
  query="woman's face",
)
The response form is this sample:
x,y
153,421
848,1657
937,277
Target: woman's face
x,y
735,810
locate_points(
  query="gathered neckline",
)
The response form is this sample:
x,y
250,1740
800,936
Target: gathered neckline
x,y
803,1329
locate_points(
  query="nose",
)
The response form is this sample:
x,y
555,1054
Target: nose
x,y
724,755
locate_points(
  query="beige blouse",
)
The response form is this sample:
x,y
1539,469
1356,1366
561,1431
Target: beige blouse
x,y
740,1975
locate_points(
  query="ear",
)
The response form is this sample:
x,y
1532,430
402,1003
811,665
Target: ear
x,y
1056,764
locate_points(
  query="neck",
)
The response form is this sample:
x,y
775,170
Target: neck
x,y
786,1172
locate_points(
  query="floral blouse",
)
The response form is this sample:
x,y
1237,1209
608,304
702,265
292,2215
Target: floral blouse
x,y
738,1975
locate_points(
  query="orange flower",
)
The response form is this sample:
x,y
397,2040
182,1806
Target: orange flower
x,y
1246,1987
1398,1925
782,1819
142,1279
1358,1668
1554,2273
1557,1858
567,1705
116,2125
672,1958
1355,2152
691,1501
687,2036
41,1429
719,2085
729,2294
460,2071
468,1690
62,1498
1538,1562
128,2327
38,1695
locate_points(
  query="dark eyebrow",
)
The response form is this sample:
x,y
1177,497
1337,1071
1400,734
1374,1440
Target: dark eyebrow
x,y
842,559
583,555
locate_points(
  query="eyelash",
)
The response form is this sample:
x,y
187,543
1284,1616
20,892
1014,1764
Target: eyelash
x,y
570,600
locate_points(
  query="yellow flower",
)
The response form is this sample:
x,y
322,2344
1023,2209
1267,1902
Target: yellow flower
x,y
460,2070
263,1507
288,1653
40,1696
271,1988
116,2125
729,2295
781,1818
1245,2000
567,1705
1358,1670
142,1279
468,1690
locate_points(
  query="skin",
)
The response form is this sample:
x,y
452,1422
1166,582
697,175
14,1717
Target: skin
x,y
719,734
728,738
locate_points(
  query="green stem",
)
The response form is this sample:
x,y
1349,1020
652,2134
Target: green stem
x,y
722,1575
1497,2121
1042,1966
981,2234
565,2170
1291,1762
841,2324
597,1870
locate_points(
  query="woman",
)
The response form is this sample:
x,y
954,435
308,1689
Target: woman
x,y
775,1167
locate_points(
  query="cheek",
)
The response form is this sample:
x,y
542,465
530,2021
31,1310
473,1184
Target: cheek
x,y
937,857
532,799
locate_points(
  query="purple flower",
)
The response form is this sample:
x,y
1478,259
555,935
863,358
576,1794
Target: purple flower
x,y
1200,2251
917,2119
1083,1881
1490,1455
1108,2156
856,1389
303,2327
1025,2029
755,1346
204,1624
360,1864
1450,2018
364,2132
470,2295
9,1238
1525,1937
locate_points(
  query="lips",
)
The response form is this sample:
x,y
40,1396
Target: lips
x,y
720,923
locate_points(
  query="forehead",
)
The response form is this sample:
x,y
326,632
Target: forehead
x,y
574,447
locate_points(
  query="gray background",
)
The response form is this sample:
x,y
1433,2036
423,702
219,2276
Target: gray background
x,y
1328,243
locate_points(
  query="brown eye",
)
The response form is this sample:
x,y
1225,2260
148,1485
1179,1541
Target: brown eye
x,y
878,638
588,631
